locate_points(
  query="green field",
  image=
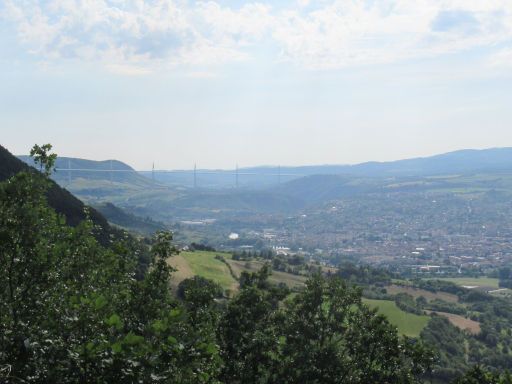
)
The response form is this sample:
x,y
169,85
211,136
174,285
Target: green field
x,y
473,281
204,264
407,323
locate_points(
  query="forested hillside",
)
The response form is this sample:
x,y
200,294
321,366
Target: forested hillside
x,y
130,222
62,201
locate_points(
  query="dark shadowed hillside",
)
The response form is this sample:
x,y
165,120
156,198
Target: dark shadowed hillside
x,y
58,198
118,216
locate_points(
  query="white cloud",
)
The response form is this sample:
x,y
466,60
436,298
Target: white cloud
x,y
137,32
502,59
244,25
127,70
354,33
148,34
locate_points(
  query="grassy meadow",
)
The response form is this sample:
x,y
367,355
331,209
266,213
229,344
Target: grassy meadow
x,y
407,323
205,264
200,263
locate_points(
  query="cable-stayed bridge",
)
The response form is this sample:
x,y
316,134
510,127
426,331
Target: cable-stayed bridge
x,y
236,173
180,171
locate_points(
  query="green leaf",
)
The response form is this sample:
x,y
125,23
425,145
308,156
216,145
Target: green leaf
x,y
100,302
132,339
211,348
115,321
175,312
117,347
159,326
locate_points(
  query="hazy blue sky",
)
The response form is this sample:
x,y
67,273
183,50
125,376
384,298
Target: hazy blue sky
x,y
268,82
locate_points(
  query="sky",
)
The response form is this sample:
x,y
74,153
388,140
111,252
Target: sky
x,y
282,82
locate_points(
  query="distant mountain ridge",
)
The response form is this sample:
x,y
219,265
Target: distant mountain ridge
x,y
457,162
462,161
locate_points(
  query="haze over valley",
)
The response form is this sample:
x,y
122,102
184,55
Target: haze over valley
x,y
449,212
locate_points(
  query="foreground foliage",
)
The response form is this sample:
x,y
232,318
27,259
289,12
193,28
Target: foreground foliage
x,y
74,311
479,375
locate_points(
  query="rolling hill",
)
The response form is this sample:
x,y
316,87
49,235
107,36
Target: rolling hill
x,y
468,171
457,162
111,171
320,188
466,161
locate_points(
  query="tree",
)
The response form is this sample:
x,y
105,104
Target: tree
x,y
198,292
325,334
249,331
479,375
41,155
331,337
